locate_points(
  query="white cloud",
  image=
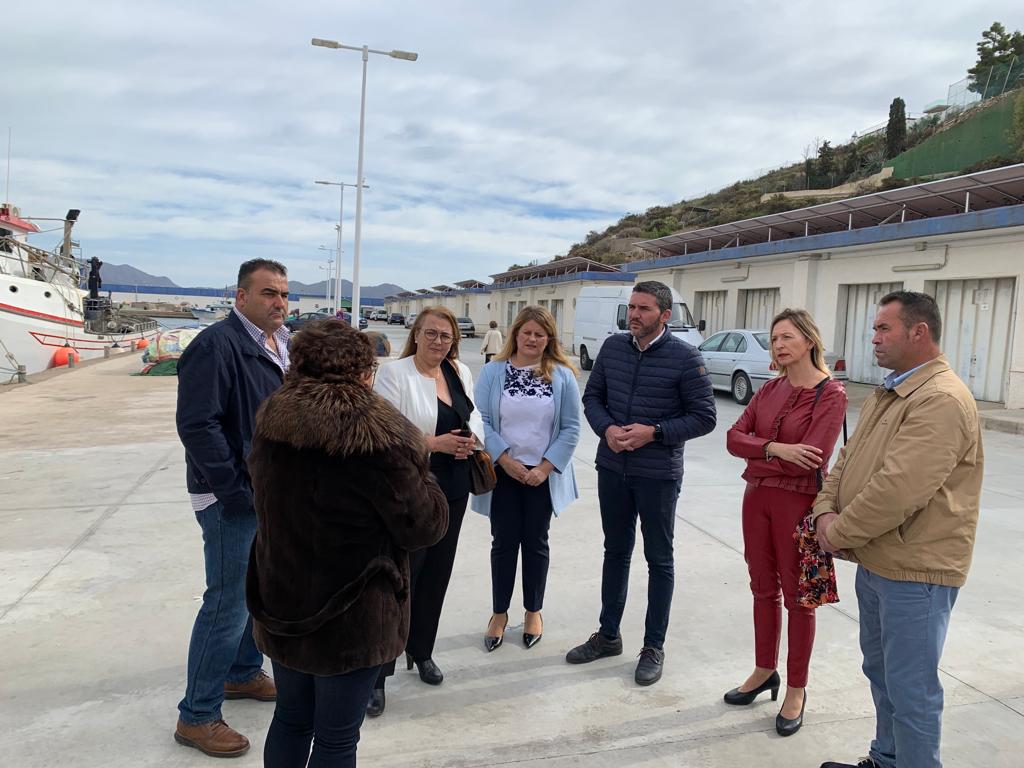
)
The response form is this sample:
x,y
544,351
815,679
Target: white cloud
x,y
190,133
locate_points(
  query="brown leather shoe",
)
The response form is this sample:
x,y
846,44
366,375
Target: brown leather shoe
x,y
261,688
216,739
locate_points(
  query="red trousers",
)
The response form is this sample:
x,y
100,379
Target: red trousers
x,y
770,516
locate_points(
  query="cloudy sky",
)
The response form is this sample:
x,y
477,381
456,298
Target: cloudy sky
x,y
190,133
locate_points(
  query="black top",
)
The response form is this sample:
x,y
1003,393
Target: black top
x,y
452,474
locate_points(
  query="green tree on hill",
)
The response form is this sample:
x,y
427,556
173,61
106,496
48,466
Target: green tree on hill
x,y
996,48
896,130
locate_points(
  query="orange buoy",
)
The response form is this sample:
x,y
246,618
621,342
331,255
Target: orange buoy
x,y
142,343
63,354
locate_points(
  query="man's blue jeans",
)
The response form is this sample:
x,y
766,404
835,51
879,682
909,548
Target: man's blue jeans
x,y
622,500
902,630
222,649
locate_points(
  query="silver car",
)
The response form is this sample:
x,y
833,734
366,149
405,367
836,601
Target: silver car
x,y
466,327
738,361
410,320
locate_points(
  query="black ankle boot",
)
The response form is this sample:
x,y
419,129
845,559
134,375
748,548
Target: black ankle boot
x,y
375,706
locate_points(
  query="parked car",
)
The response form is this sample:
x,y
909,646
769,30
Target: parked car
x,y
295,323
738,361
466,327
410,320
347,317
379,314
396,318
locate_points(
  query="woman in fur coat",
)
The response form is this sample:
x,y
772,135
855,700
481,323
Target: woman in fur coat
x,y
343,492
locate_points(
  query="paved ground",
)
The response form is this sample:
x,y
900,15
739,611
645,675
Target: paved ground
x,y
101,572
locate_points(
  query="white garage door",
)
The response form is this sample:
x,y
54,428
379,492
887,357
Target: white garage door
x,y
977,330
758,307
711,309
861,306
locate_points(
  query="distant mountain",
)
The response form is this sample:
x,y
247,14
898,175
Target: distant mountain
x,y
366,291
125,274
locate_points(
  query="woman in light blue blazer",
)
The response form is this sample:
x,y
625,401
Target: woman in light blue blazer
x,y
530,404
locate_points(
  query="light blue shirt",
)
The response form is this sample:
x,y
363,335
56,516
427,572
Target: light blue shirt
x,y
895,379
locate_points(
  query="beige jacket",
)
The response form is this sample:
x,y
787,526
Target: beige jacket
x,y
907,487
492,342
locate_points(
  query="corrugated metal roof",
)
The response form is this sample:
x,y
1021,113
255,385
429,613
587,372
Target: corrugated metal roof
x,y
971,192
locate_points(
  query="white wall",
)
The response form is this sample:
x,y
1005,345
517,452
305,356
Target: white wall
x,y
813,280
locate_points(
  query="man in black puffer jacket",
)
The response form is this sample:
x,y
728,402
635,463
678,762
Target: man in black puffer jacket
x,y
648,394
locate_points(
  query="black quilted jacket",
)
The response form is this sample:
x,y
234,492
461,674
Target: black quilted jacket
x,y
666,384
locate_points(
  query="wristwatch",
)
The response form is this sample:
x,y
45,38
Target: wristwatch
x,y
659,434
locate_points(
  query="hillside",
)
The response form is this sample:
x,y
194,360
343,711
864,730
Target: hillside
x,y
987,136
126,274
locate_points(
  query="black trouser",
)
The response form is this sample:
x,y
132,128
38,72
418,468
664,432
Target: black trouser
x,y
488,356
325,710
520,517
431,571
623,499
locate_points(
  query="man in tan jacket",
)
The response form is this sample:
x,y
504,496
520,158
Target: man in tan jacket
x,y
902,502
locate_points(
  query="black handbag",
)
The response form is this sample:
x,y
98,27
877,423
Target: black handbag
x,y
482,477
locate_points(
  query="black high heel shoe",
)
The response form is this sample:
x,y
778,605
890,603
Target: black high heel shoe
x,y
531,640
786,727
742,698
493,643
430,673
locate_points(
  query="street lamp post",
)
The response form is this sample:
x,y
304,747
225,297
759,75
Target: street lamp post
x,y
341,217
366,51
330,274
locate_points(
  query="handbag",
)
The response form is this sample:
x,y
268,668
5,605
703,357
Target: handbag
x,y
817,584
482,477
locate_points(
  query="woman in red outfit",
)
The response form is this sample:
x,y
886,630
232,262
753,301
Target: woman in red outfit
x,y
786,434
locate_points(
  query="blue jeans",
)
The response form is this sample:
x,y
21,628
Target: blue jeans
x,y
222,649
325,710
902,630
622,500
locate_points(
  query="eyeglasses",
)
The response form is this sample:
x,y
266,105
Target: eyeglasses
x,y
432,335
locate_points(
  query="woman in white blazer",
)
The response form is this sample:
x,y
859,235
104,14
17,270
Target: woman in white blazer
x,y
530,404
434,391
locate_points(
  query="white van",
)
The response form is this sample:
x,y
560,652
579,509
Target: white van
x,y
601,311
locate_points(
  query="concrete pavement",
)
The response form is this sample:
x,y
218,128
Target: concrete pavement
x,y
101,572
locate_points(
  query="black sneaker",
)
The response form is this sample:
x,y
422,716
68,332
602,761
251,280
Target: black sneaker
x,y
864,762
648,669
597,647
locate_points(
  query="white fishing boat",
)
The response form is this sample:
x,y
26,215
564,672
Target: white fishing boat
x,y
211,313
44,314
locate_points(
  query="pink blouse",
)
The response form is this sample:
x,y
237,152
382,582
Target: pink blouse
x,y
782,413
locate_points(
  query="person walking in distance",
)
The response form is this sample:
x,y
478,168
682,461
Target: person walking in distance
x,y
902,502
492,342
648,393
223,376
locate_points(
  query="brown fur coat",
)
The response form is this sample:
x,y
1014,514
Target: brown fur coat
x,y
342,493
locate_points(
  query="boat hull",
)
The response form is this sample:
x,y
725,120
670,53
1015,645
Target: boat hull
x,y
39,318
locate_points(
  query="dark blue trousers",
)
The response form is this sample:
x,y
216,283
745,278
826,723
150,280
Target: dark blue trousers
x,y
623,499
325,711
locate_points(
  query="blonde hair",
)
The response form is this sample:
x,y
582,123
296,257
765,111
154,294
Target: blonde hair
x,y
553,353
805,325
445,314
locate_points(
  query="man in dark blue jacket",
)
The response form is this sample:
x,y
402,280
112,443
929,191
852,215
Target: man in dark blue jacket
x,y
223,376
648,394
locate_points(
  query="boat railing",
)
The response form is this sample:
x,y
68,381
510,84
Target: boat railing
x,y
39,264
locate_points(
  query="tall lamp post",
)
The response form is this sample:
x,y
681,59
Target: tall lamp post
x,y
341,217
330,274
360,181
